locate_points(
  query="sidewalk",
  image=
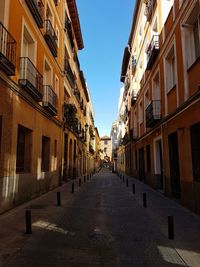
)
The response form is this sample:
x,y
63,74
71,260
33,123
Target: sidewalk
x,y
12,223
186,223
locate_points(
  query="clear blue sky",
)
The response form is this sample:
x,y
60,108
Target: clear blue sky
x,y
105,26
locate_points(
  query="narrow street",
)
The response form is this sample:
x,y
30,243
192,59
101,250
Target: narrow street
x,y
101,224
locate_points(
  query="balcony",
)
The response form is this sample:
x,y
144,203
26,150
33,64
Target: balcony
x,y
134,63
36,9
30,79
133,98
7,51
149,8
50,100
153,113
51,38
70,119
68,28
152,51
69,73
133,134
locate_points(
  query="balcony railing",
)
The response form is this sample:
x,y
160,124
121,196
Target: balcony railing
x,y
153,113
51,38
50,100
36,8
134,63
7,51
68,28
69,73
152,51
149,8
31,79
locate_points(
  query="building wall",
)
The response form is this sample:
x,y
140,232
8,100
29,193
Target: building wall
x,y
161,154
106,146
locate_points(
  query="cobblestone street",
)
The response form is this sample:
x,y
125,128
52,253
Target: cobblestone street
x,y
101,224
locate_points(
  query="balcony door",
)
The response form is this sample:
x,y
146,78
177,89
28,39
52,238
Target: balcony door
x,y
156,87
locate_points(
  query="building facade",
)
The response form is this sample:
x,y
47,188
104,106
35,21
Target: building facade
x,y
44,102
162,98
106,148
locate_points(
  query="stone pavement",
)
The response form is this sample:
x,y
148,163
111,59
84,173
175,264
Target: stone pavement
x,y
102,224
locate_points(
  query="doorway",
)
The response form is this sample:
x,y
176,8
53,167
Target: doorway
x,y
158,160
174,165
141,165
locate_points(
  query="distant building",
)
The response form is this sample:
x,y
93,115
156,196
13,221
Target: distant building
x,y
106,150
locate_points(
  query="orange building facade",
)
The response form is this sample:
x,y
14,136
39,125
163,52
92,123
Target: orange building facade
x,y
44,98
161,93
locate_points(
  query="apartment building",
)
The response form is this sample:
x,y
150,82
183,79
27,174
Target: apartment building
x,y
106,148
44,98
162,98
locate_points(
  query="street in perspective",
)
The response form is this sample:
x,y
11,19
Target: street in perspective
x,y
99,133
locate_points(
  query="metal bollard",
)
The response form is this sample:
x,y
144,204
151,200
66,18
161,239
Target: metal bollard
x,y
171,227
28,222
79,182
84,179
58,199
133,188
72,188
144,200
127,182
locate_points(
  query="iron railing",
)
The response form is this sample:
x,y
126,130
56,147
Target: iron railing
x,y
36,9
152,51
7,51
69,73
153,113
30,78
50,99
51,38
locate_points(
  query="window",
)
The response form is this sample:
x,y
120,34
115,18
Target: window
x,y
45,153
170,70
57,86
195,147
47,76
105,142
24,145
140,113
191,35
148,158
55,148
28,48
156,87
0,132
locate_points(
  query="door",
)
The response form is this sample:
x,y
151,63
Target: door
x,y
141,165
65,168
174,165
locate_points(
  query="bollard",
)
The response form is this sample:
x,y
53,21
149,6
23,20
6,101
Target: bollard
x,y
144,200
123,178
28,222
72,188
80,182
171,227
127,182
84,179
88,177
58,199
133,188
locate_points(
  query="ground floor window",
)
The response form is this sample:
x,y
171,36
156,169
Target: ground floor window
x,y
195,147
24,145
45,153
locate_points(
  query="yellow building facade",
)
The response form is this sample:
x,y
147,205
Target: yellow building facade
x,y
44,101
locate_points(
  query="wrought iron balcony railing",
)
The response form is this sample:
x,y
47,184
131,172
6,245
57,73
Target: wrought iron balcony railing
x,y
31,79
69,73
134,63
50,100
7,51
68,28
36,9
51,38
153,113
152,51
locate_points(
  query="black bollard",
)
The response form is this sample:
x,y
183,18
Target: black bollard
x,y
127,182
58,199
28,222
80,182
144,200
133,188
72,188
171,227
84,179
